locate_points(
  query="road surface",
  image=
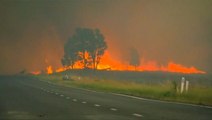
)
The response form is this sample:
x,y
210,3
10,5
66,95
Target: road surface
x,y
27,98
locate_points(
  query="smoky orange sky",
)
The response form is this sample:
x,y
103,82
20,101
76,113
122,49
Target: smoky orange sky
x,y
32,33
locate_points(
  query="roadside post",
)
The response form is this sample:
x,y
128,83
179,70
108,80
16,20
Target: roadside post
x,y
186,86
182,85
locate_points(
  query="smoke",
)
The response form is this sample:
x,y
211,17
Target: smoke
x,y
165,31
162,30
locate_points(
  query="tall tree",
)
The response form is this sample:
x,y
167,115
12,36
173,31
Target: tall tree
x,y
86,45
84,37
134,58
70,52
97,48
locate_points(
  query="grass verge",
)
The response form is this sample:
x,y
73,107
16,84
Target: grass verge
x,y
200,95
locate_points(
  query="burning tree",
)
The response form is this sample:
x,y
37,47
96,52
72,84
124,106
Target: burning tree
x,y
87,46
97,47
71,52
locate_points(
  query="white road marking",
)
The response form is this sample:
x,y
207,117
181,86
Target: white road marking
x,y
75,100
97,105
139,98
152,100
84,102
137,115
67,97
61,95
146,99
113,109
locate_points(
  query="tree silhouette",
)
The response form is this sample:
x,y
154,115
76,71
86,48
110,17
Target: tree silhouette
x,y
65,61
97,48
71,52
84,36
87,46
134,58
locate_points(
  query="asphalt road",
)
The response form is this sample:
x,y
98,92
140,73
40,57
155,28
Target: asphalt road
x,y
26,98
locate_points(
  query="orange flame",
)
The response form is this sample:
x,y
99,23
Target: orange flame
x,y
172,67
35,72
49,70
108,63
61,69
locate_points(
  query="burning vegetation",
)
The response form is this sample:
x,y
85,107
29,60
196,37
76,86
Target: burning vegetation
x,y
86,49
110,64
49,70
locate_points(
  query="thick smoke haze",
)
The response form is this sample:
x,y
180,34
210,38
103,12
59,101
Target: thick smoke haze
x,y
32,33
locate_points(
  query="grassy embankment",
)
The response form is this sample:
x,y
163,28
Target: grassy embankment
x,y
164,91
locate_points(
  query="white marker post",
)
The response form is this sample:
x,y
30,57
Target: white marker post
x,y
182,85
186,86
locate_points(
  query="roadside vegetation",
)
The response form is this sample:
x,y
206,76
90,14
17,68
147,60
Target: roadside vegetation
x,y
82,54
166,90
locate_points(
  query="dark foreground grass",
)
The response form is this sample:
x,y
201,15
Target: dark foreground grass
x,y
167,90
